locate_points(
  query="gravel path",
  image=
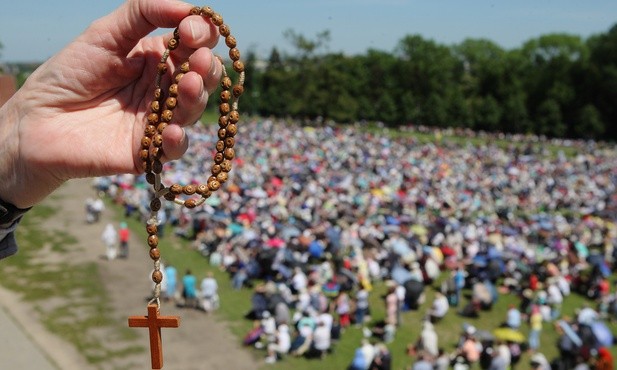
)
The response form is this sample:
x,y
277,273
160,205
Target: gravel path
x,y
202,342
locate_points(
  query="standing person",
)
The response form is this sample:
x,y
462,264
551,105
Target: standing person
x,y
189,289
209,292
535,328
171,276
110,239
125,235
98,206
392,303
343,308
362,304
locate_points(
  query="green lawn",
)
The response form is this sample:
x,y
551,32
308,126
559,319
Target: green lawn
x,y
235,304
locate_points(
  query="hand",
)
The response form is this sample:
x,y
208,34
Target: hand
x,y
82,113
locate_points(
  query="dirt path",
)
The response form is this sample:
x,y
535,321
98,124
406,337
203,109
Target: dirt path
x,y
201,343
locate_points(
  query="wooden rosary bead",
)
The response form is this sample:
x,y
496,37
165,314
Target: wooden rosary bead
x,y
150,130
226,83
222,121
222,133
222,177
226,166
173,90
172,43
230,41
157,276
157,93
214,185
238,90
179,77
157,166
216,169
157,140
167,115
169,196
224,108
232,130
144,154
234,116
150,178
189,189
155,152
225,96
217,19
207,11
229,153
238,66
153,241
234,54
155,205
176,189
155,253
203,190
153,118
184,67
145,167
220,145
155,106
161,127
224,30
190,203
219,158
145,142
171,102
152,229
230,142
162,68
195,10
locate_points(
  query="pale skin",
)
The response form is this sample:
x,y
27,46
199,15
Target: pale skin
x,y
82,113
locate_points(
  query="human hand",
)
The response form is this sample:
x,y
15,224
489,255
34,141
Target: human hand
x,y
82,113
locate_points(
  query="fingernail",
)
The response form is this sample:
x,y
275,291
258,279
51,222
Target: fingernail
x,y
192,28
212,64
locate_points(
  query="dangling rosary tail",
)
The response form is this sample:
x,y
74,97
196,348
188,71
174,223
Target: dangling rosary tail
x,y
161,114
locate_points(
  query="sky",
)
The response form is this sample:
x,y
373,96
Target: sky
x,y
35,30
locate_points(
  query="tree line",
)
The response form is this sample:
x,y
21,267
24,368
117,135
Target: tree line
x,y
558,85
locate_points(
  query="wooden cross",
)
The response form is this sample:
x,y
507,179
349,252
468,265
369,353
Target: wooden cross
x,y
154,323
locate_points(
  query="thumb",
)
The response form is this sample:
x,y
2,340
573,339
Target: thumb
x,y
135,19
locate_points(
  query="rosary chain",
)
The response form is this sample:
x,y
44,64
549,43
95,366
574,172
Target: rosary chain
x,y
160,116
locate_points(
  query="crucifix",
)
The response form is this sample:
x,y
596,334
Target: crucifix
x,y
154,323
151,154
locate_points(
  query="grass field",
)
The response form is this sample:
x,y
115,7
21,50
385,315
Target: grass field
x,y
235,304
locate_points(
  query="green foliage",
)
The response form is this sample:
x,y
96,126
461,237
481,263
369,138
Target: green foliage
x,y
558,85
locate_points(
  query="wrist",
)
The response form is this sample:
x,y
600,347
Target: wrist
x,y
9,150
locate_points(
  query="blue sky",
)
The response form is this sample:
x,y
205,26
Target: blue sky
x,y
34,30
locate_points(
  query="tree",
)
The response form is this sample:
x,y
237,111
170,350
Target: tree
x,y
307,47
589,123
603,73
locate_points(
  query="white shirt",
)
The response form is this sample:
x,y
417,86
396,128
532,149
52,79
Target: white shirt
x,y
283,339
440,306
321,338
209,287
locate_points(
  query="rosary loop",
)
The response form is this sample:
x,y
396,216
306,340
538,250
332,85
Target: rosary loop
x,y
161,113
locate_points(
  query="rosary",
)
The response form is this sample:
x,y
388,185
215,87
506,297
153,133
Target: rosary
x,y
151,151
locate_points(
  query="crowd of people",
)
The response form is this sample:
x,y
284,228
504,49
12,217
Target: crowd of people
x,y
312,217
